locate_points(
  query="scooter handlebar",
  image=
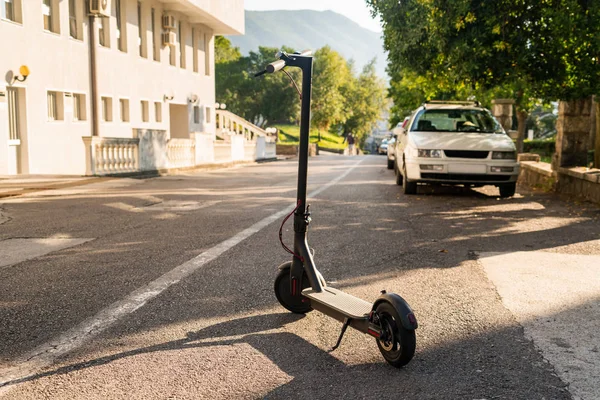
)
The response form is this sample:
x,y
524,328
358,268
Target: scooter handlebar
x,y
279,64
275,66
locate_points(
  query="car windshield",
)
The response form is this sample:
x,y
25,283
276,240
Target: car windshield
x,y
457,120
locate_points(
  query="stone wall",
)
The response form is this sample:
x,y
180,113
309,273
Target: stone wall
x,y
287,150
502,109
153,149
580,182
537,175
573,133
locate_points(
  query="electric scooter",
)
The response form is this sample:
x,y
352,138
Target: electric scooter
x,y
300,287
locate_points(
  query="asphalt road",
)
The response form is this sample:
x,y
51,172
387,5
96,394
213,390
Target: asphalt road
x,y
163,287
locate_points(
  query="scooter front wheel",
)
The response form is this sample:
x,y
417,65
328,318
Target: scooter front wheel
x,y
396,344
295,304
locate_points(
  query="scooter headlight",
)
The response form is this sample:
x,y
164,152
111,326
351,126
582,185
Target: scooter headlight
x,y
430,153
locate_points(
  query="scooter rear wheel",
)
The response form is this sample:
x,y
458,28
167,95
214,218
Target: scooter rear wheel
x,y
396,344
295,304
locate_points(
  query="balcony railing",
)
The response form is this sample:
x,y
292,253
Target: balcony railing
x,y
229,124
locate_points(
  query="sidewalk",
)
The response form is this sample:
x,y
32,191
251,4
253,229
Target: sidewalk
x,y
16,185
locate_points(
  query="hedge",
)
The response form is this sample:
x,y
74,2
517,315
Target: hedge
x,y
539,146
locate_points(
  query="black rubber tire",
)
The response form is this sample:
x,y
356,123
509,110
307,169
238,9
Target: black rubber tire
x,y
297,305
390,163
399,177
507,189
408,187
404,340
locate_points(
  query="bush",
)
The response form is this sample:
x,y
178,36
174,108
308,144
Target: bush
x,y
544,148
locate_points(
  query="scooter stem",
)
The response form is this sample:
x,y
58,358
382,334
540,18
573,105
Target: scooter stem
x,y
305,63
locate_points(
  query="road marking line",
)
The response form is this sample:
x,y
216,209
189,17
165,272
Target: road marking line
x,y
44,355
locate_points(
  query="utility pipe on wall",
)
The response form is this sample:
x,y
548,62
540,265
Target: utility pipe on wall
x,y
93,81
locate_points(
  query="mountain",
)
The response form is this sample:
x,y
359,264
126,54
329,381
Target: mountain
x,y
309,29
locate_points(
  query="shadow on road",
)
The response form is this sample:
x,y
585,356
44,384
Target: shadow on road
x,y
451,370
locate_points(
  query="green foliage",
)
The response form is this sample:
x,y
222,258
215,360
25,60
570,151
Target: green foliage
x,y
531,48
261,101
224,51
331,73
544,148
290,134
364,99
340,100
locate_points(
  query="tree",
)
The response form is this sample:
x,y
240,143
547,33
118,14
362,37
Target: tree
x,y
331,72
340,99
364,101
224,51
541,48
260,100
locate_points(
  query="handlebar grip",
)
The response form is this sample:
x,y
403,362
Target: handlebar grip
x,y
260,73
275,66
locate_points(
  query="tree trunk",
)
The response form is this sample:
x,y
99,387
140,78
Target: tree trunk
x,y
521,125
597,146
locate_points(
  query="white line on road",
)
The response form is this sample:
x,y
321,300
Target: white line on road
x,y
44,355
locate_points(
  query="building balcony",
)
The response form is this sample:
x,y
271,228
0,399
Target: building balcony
x,y
224,17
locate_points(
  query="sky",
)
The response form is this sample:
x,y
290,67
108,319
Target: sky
x,y
356,10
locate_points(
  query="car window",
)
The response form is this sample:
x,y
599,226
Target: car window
x,y
458,120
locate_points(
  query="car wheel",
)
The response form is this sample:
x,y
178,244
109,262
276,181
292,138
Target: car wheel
x,y
507,189
408,187
399,177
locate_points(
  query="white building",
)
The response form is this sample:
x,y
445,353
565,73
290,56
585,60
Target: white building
x,y
154,73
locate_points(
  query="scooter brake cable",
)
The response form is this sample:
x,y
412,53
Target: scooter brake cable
x,y
299,257
294,82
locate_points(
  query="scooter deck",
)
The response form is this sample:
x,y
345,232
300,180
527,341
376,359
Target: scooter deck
x,y
345,303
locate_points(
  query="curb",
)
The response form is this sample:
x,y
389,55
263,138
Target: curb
x,y
139,174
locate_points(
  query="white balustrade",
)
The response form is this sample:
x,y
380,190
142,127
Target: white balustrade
x,y
181,153
111,156
229,124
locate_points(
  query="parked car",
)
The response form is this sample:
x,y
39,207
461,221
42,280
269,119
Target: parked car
x,y
383,147
457,143
391,150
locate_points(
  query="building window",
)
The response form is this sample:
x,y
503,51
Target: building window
x,y
208,115
206,54
155,37
11,10
145,111
79,107
55,106
141,31
172,56
195,49
124,108
74,26
196,114
104,32
50,14
107,115
121,31
158,111
181,46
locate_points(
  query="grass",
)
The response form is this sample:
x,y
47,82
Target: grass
x,y
290,134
